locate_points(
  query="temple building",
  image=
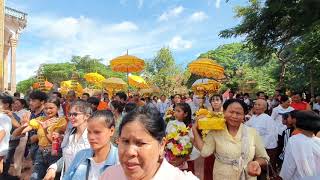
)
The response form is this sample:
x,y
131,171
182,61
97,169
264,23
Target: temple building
x,y
12,22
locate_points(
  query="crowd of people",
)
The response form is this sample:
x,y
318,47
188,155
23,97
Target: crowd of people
x,y
124,137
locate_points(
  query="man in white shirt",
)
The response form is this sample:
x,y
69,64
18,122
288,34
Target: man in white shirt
x,y
277,112
316,106
163,105
265,126
5,128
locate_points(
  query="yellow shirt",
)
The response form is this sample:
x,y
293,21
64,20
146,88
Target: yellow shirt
x,y
222,143
43,140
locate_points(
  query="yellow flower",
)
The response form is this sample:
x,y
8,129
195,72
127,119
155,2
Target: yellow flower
x,y
175,151
174,135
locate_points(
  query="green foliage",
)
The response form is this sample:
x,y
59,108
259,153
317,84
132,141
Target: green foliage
x,y
287,30
163,72
230,56
57,72
24,86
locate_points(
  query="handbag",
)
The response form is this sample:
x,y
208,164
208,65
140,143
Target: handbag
x,y
274,175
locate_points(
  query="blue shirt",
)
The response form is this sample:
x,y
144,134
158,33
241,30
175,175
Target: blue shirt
x,y
79,166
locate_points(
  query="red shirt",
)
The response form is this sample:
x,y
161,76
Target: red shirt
x,y
299,106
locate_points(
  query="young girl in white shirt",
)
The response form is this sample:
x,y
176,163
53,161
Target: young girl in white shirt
x,y
182,115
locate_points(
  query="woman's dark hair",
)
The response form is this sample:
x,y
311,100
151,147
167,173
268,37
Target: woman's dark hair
x,y
216,95
231,101
7,100
55,101
308,120
86,94
82,106
150,118
104,115
59,95
130,107
122,95
93,100
118,106
23,102
186,109
283,98
177,95
41,96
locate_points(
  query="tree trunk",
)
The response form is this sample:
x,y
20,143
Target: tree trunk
x,y
282,74
311,82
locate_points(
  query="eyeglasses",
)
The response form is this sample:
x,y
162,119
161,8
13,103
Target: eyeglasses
x,y
74,114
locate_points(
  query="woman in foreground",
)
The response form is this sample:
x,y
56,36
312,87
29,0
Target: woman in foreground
x,y
141,149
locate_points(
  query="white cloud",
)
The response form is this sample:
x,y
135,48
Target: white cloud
x,y
177,43
218,2
198,16
125,26
57,39
175,12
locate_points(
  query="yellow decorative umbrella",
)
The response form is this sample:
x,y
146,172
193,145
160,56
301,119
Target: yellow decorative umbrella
x,y
137,82
206,67
94,78
205,85
128,64
150,90
114,83
65,86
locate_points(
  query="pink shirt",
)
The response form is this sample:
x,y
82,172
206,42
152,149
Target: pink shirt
x,y
166,171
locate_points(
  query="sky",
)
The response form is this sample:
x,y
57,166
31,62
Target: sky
x,y
58,29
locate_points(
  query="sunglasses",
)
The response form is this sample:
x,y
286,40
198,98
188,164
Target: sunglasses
x,y
74,114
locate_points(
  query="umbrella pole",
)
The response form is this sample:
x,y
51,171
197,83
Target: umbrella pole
x,y
128,80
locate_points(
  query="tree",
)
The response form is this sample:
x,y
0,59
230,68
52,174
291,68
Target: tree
x,y
24,86
273,28
163,72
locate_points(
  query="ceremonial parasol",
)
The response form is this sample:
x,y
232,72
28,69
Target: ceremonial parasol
x,y
114,83
94,78
205,85
150,90
206,67
127,64
137,82
47,86
65,86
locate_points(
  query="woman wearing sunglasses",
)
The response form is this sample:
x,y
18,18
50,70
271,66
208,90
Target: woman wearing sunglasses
x,y
74,140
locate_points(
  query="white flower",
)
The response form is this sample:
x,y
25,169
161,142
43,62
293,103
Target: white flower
x,y
184,140
169,145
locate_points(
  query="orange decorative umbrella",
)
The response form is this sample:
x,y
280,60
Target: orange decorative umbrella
x,y
47,85
138,82
206,67
128,64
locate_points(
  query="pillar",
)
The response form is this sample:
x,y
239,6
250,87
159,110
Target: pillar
x,y
5,67
2,18
13,44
